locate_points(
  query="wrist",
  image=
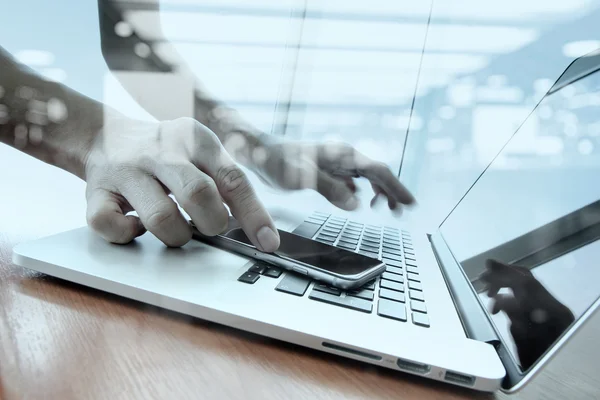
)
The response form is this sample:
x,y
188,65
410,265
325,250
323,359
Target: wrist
x,y
46,120
241,139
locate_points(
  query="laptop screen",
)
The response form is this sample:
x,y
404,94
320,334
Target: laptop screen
x,y
526,233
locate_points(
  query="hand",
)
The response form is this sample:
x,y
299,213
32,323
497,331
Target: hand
x,y
537,318
133,165
328,168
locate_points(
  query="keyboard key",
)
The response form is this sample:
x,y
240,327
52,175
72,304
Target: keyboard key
x,y
412,269
307,229
349,236
413,277
326,241
369,254
387,250
346,246
394,270
388,276
371,237
392,247
420,319
273,273
338,219
414,295
415,286
391,285
258,269
362,294
410,259
368,247
392,295
370,243
249,277
390,229
372,231
408,248
391,242
369,285
352,231
327,289
418,306
293,284
353,242
326,236
391,309
332,232
334,225
392,263
393,257
347,302
409,253
313,220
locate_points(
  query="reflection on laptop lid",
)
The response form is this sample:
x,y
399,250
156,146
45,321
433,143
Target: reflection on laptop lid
x,y
526,233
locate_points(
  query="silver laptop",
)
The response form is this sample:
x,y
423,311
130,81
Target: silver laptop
x,y
484,302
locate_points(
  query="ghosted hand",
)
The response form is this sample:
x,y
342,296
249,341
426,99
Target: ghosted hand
x,y
134,165
328,168
537,318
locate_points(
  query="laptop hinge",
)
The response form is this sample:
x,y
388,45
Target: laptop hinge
x,y
472,315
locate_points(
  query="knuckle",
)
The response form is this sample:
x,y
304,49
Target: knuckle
x,y
108,227
232,180
98,221
161,215
199,191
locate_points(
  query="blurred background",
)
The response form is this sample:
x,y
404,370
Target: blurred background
x,y
450,81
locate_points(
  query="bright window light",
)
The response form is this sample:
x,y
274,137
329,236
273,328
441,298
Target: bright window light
x,y
37,58
256,4
189,26
580,48
476,9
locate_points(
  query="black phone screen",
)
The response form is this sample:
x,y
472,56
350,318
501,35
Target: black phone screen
x,y
317,254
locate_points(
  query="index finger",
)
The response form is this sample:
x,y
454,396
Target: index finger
x,y
379,174
240,196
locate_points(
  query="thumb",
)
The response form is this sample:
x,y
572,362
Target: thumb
x,y
106,216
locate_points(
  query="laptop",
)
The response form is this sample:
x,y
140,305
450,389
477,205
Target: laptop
x,y
484,302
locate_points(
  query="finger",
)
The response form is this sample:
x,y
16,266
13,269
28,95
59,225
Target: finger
x,y
519,279
376,199
379,174
493,289
158,212
197,194
106,216
509,305
351,185
336,191
238,193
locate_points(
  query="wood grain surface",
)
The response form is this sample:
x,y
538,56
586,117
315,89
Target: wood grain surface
x,y
63,341
59,340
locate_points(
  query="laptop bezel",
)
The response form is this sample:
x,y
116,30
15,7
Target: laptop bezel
x,y
478,325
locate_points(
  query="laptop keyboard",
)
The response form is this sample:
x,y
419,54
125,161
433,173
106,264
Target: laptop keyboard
x,y
397,294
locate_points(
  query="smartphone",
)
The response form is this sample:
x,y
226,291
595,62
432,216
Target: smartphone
x,y
331,265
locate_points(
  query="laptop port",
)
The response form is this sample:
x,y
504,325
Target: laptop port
x,y
413,366
352,351
461,379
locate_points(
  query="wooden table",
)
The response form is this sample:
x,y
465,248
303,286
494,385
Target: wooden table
x,y
63,341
